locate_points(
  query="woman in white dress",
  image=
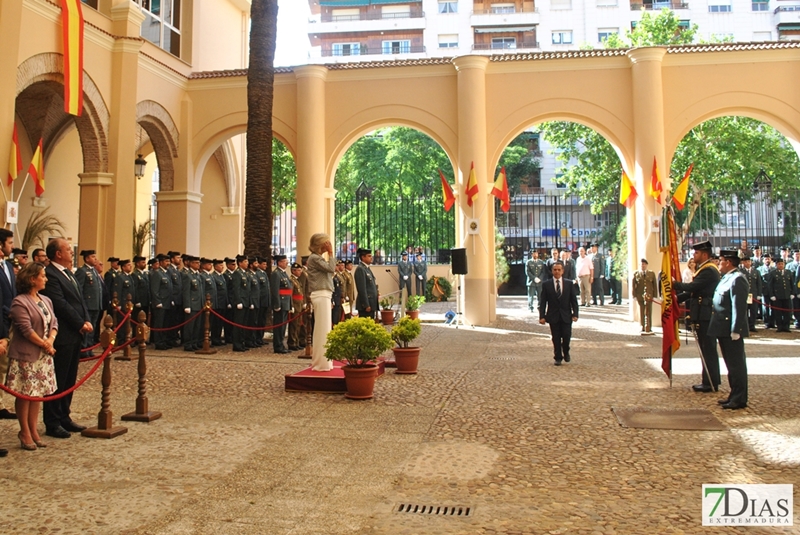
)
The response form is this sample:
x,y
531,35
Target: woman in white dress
x,y
320,288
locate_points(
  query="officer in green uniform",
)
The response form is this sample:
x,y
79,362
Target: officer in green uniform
x,y
281,300
533,275
299,301
755,284
89,282
599,267
404,274
109,278
781,290
240,302
161,301
124,284
251,339
222,305
141,287
263,298
420,274
209,290
193,299
230,267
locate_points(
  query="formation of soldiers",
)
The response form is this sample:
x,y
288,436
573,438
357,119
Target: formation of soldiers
x,y
538,271
246,291
774,288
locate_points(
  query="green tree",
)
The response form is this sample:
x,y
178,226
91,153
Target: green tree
x,y
260,80
520,161
284,177
662,29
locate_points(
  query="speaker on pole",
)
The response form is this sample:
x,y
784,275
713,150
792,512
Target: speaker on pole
x,y
458,261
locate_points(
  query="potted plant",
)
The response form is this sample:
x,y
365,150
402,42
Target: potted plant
x,y
412,305
406,358
387,314
359,342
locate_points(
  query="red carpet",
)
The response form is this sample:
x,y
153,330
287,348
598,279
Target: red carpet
x,y
308,380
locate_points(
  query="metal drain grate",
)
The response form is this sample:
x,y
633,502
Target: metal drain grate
x,y
502,358
439,510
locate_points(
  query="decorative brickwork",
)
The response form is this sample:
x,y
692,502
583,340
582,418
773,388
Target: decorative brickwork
x,y
40,107
163,134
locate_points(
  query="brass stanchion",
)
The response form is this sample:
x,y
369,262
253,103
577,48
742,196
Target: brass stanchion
x,y
207,330
105,424
126,351
309,332
142,414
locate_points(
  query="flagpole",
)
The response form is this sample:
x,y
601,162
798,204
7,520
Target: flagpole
x,y
22,188
12,192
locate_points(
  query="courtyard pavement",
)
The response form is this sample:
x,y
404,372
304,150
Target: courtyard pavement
x,y
488,426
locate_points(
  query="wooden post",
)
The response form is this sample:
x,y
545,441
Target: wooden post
x,y
207,330
105,424
309,349
126,351
142,414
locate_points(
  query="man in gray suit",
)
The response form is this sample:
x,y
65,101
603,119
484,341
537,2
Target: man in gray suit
x,y
729,326
89,282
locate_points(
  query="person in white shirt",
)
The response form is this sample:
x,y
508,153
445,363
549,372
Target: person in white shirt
x,y
585,273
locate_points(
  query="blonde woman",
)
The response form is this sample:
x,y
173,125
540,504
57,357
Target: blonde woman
x,y
688,273
320,287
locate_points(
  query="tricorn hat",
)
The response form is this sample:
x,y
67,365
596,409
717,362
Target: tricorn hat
x,y
703,246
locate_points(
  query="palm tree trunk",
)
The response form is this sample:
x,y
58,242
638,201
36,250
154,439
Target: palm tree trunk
x,y
260,78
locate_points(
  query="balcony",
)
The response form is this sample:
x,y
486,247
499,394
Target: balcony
x,y
505,16
366,22
786,15
655,6
503,48
363,50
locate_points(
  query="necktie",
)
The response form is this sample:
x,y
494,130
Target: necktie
x,y
71,278
558,287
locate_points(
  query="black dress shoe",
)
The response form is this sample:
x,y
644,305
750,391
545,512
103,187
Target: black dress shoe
x,y
702,388
3,452
558,363
294,348
239,349
73,427
724,401
734,406
57,432
5,414
566,358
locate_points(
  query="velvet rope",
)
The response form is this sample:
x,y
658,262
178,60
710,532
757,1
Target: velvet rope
x,y
165,329
247,327
117,328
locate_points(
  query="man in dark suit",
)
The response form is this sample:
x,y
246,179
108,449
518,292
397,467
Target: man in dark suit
x,y
7,293
729,326
73,323
558,306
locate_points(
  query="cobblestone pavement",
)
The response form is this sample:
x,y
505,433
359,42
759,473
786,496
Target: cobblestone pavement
x,y
488,424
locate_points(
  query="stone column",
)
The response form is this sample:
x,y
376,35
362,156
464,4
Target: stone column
x,y
95,188
178,221
10,24
478,292
312,204
648,122
122,133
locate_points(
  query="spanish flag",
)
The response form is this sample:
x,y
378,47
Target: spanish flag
x,y
500,190
679,197
14,159
447,193
471,188
36,169
655,183
72,37
627,193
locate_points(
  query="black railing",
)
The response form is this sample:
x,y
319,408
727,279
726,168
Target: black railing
x,y
363,50
784,8
659,5
506,46
505,10
329,17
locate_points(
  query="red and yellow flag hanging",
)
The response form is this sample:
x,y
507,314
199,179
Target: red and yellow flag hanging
x,y
14,159
627,193
500,190
655,183
72,37
670,270
36,169
679,197
447,193
471,188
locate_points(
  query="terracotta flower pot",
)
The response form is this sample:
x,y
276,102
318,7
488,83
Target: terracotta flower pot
x,y
387,317
407,359
413,314
360,381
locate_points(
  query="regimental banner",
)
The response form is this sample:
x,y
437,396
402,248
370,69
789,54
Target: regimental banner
x,y
748,505
72,38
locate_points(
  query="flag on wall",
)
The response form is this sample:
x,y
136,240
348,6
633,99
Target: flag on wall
x,y
14,159
36,169
500,190
670,270
471,188
655,183
627,193
679,197
72,38
447,193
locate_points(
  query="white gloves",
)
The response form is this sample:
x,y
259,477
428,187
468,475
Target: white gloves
x,y
791,296
229,306
159,305
187,310
172,303
139,305
252,307
537,280
735,336
405,277
239,306
420,277
773,298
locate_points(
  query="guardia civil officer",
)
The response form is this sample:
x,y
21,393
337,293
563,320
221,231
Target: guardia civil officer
x,y
89,282
534,269
420,274
281,299
240,302
755,283
599,268
193,299
701,292
366,288
781,290
404,273
222,304
161,301
209,290
728,325
141,286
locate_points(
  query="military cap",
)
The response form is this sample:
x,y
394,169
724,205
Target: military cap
x,y
251,259
186,257
152,261
261,259
138,258
229,260
644,261
240,258
19,252
87,252
217,261
340,262
404,253
279,257
729,253
362,252
162,256
779,259
124,262
295,265
765,255
205,260
784,248
594,245
348,262
172,254
702,246
113,259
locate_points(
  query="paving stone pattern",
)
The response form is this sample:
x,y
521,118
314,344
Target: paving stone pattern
x,y
488,423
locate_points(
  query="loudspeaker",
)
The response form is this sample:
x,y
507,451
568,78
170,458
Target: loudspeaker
x,y
458,261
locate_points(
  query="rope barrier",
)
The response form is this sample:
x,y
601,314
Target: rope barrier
x,y
166,329
265,328
123,346
117,328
